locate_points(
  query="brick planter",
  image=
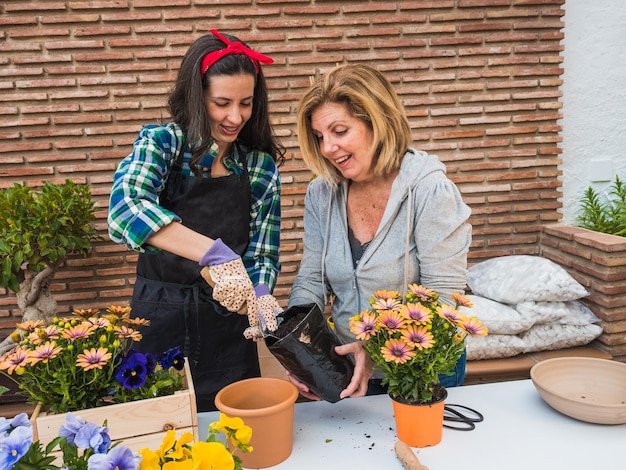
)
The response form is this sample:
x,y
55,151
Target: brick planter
x,y
598,262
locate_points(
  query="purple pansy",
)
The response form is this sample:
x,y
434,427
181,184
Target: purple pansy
x,y
14,445
132,371
92,436
118,458
172,358
71,427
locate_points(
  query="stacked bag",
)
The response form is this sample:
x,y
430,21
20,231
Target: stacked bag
x,y
529,304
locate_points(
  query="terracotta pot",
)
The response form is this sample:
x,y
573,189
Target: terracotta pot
x,y
266,405
420,425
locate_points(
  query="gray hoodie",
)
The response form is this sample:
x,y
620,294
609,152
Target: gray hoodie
x,y
423,238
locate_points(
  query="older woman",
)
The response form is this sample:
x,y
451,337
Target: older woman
x,y
379,215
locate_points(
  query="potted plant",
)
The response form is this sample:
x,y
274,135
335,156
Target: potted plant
x,y
40,228
604,216
86,363
412,341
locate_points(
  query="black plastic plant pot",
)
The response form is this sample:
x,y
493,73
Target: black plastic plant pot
x,y
305,345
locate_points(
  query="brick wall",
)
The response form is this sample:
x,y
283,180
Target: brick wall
x,y
598,262
479,79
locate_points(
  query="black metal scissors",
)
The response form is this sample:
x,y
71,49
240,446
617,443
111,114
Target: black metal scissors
x,y
465,418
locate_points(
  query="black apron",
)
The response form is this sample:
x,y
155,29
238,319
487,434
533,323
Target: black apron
x,y
171,293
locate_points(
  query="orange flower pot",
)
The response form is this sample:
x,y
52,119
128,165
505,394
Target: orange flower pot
x,y
420,425
266,405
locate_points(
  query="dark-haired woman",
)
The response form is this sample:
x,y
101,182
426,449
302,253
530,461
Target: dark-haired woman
x,y
199,199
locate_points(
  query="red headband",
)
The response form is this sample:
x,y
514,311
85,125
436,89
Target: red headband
x,y
232,48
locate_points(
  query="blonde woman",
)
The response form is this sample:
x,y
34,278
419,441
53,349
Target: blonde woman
x,y
379,215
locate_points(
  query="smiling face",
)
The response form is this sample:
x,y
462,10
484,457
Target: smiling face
x,y
344,140
229,104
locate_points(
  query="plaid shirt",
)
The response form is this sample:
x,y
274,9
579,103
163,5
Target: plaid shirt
x,y
135,215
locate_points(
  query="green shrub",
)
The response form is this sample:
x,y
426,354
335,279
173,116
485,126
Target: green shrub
x,y
604,216
40,227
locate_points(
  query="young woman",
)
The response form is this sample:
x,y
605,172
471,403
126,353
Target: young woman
x,y
199,198
379,215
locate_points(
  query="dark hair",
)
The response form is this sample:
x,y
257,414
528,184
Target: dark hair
x,y
187,106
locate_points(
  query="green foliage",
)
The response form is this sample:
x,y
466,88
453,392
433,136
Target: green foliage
x,y
604,216
41,227
38,459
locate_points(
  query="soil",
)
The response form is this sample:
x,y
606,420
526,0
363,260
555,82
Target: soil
x,y
289,324
439,393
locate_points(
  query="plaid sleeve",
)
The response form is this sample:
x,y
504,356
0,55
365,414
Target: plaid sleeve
x,y
134,213
262,258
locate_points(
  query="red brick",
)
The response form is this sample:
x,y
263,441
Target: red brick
x,y
479,79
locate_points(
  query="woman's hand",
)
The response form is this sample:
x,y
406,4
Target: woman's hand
x,y
363,369
302,388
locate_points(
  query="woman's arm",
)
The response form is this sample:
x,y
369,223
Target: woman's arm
x,y
134,211
182,241
262,257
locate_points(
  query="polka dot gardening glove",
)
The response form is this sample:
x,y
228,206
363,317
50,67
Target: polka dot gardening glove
x,y
225,271
263,321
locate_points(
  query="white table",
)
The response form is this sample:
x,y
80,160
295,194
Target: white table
x,y
520,431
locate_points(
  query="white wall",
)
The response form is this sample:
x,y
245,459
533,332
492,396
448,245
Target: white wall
x,y
594,99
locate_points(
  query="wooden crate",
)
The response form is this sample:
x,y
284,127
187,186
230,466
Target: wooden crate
x,y
137,424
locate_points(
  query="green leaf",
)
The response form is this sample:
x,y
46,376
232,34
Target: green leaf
x,y
44,225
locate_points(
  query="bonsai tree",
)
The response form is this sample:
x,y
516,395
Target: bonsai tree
x,y
39,229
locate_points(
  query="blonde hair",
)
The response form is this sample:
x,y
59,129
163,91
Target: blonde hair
x,y
368,96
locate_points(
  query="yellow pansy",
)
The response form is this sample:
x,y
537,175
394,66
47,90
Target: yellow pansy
x,y
211,456
168,442
179,452
186,464
149,459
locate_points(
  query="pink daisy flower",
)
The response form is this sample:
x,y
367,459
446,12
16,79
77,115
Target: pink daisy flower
x,y
386,294
473,326
382,305
363,326
44,352
451,314
396,350
98,322
461,300
82,330
416,312
418,336
119,311
424,293
14,359
30,325
124,331
34,338
51,332
93,358
137,321
392,320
